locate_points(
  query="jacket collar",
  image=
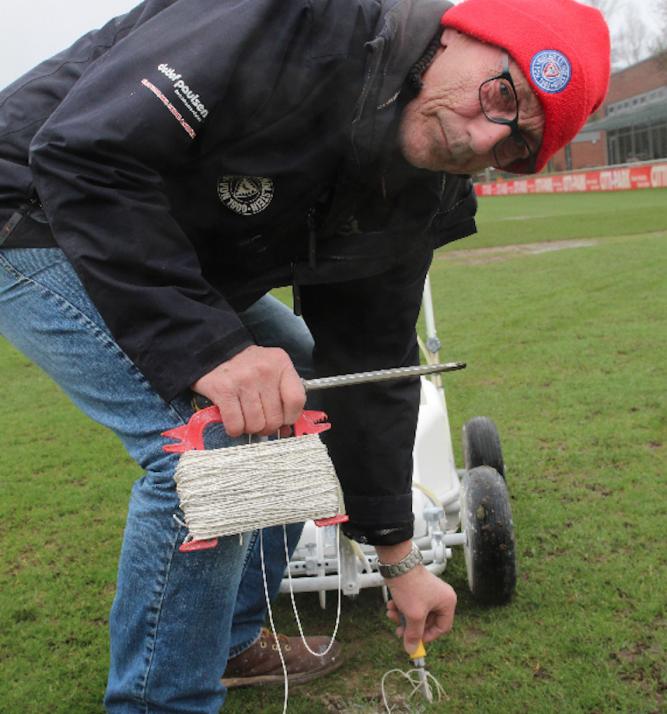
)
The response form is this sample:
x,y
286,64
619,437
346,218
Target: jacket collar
x,y
408,26
404,31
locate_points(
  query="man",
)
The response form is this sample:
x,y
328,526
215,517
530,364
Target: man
x,y
162,174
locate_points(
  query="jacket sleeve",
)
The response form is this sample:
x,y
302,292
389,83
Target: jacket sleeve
x,y
368,324
361,325
141,111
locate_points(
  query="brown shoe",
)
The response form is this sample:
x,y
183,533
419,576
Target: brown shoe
x,y
260,663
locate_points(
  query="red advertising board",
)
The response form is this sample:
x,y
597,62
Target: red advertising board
x,y
614,178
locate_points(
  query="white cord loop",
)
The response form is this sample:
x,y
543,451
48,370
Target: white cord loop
x,y
296,614
435,692
340,597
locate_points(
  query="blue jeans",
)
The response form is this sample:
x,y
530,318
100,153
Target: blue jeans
x,y
176,616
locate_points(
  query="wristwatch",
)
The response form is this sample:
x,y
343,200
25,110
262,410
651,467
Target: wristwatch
x,y
411,560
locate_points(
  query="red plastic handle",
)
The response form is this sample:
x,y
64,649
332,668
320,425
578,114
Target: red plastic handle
x,y
191,546
333,521
190,436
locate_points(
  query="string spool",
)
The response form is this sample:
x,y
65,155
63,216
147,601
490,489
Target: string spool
x,y
240,488
233,490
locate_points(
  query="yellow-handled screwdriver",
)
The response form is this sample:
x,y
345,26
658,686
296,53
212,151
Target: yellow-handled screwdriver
x,y
418,657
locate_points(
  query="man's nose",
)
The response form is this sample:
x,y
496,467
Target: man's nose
x,y
484,135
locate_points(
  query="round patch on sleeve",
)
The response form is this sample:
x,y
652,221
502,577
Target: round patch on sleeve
x,y
551,71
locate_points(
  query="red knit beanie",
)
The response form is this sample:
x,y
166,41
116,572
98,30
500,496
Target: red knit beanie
x,y
562,48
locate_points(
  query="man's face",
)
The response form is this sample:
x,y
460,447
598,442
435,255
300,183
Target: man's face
x,y
444,128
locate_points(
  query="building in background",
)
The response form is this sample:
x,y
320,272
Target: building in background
x,y
630,126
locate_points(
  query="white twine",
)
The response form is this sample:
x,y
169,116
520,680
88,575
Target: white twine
x,y
273,626
296,613
434,690
240,488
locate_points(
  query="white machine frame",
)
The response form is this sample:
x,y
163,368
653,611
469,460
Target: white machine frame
x,y
314,566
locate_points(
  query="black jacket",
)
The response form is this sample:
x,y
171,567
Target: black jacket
x,y
193,154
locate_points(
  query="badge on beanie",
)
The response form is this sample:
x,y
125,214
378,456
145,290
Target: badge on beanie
x,y
551,71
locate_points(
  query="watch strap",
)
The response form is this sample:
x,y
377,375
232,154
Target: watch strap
x,y
405,565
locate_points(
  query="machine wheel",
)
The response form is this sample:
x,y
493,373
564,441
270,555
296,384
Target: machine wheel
x,y
486,519
481,445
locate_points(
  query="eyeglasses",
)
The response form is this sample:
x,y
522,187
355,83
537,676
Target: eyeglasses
x,y
500,105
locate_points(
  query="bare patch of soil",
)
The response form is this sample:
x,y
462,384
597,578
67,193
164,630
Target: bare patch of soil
x,y
481,256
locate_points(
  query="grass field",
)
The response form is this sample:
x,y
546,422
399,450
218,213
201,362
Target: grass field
x,y
566,352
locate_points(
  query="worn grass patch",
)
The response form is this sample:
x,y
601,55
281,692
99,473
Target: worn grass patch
x,y
565,352
507,220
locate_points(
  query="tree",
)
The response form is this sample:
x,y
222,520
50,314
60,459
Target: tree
x,y
631,39
610,9
607,7
630,44
660,42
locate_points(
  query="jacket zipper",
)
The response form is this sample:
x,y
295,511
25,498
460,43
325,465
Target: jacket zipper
x,y
312,239
312,260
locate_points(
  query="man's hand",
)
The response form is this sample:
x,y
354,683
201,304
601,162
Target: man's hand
x,y
426,603
257,391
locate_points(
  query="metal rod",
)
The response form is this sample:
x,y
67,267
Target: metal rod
x,y
380,375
